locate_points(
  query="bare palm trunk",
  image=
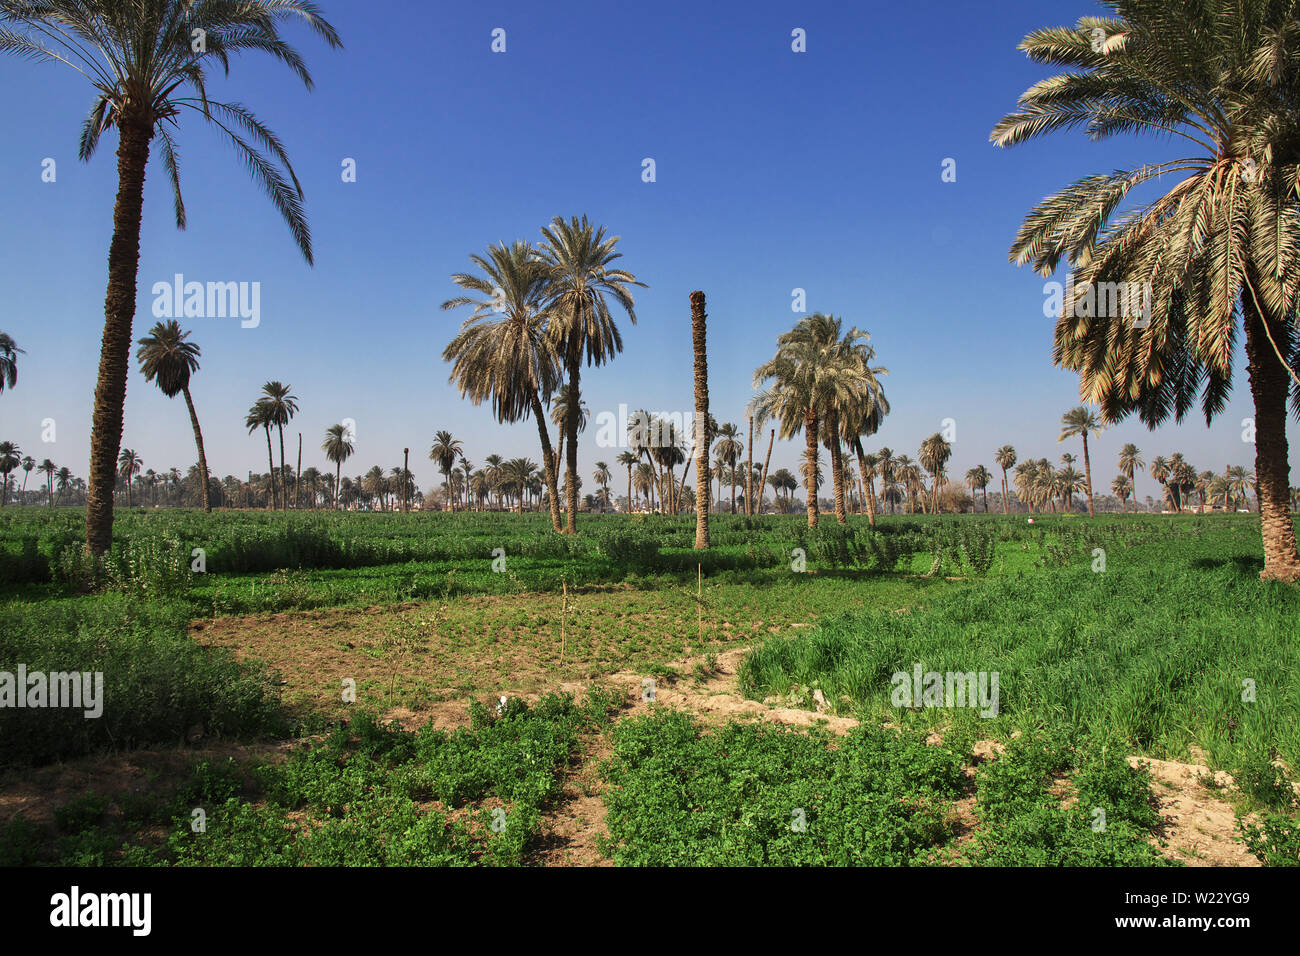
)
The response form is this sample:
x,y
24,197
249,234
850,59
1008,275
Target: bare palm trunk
x,y
119,310
766,461
703,476
837,465
297,477
1269,386
869,484
198,440
1087,473
284,474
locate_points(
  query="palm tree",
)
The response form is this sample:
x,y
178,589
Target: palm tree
x,y
627,460
502,353
702,438
1122,486
1239,479
167,359
140,57
1221,76
9,352
729,448
519,474
1005,458
63,480
1130,462
28,464
978,478
667,453
1026,480
129,465
445,451
259,416
1160,471
48,468
934,454
1081,421
643,481
812,378
337,449
10,458
862,414
492,473
1068,483
579,257
601,475
281,407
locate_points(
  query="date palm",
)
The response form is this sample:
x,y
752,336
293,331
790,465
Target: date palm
x,y
601,475
142,57
1005,458
580,260
933,455
28,464
48,468
9,353
1131,462
862,414
502,353
643,480
259,416
1080,422
338,449
628,460
1221,241
805,384
703,436
978,479
728,449
10,458
1025,481
445,450
1122,486
168,360
63,481
281,406
128,466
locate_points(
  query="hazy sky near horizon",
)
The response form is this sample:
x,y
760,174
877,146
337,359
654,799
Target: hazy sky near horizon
x,y
774,170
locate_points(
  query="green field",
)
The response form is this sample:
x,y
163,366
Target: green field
x,y
1124,636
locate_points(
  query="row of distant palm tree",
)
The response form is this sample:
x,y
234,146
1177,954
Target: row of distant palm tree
x,y
12,458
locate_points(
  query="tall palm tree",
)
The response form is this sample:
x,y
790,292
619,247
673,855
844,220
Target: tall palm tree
x,y
259,416
807,382
1005,458
337,449
1068,483
9,353
701,439
502,352
933,455
978,479
1131,462
580,260
1025,480
601,475
10,458
627,460
129,464
141,57
48,468
167,359
492,473
63,480
28,464
729,448
1122,486
281,407
1221,240
643,480
862,414
1079,422
445,450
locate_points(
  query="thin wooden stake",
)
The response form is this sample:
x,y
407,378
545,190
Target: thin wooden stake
x,y
564,613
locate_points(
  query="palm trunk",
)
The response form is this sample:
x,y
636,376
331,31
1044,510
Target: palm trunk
x,y
572,411
284,475
869,489
135,132
766,461
629,489
198,440
1269,386
338,486
731,469
749,470
1087,474
703,477
548,461
837,464
810,464
297,477
270,464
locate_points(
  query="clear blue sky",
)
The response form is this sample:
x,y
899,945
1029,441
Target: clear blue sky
x,y
775,170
